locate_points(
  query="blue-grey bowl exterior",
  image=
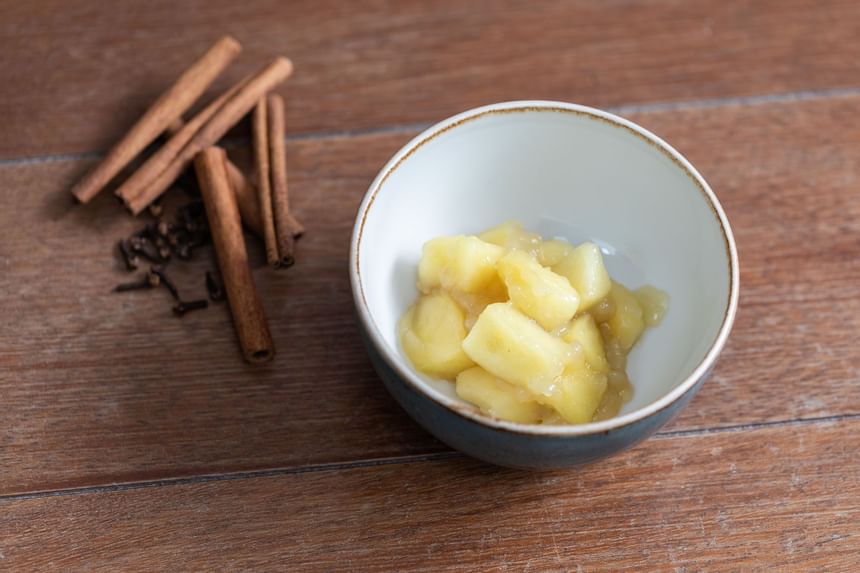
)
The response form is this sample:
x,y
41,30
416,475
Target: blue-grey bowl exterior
x,y
517,449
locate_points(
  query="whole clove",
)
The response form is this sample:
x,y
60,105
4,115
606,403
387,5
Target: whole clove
x,y
164,253
154,279
165,280
163,228
147,250
161,240
135,242
130,259
213,287
184,307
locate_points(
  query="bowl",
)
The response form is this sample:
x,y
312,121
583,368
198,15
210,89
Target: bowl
x,y
563,170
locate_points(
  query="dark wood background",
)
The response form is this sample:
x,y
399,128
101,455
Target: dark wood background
x,y
131,440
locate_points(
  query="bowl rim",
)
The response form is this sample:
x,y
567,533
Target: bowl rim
x,y
411,378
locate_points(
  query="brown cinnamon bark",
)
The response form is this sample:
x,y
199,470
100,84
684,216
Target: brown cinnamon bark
x,y
284,234
259,128
231,112
171,105
225,227
246,197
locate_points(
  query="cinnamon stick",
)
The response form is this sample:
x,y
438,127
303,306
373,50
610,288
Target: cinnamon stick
x,y
259,129
227,116
172,104
246,197
160,160
226,229
280,198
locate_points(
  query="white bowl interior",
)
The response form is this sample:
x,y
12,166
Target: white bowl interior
x,y
563,172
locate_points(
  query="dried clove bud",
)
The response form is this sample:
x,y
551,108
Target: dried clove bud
x,y
131,260
213,287
136,243
168,284
184,307
163,228
154,279
146,249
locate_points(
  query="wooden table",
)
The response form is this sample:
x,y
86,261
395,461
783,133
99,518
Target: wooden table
x,y
130,440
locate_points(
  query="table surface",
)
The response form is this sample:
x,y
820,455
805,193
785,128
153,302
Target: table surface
x,y
130,440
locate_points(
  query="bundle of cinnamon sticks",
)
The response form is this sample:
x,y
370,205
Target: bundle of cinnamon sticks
x,y
229,197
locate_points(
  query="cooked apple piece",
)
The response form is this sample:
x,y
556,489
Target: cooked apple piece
x,y
602,310
583,330
627,323
616,354
578,394
610,405
496,397
537,291
510,345
550,253
511,235
466,264
432,334
584,268
654,303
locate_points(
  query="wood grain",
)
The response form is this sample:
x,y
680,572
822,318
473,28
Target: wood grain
x,y
101,388
76,75
774,499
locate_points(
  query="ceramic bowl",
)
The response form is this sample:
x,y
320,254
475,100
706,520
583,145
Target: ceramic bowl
x,y
567,171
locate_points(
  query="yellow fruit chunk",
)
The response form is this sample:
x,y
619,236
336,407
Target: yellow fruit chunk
x,y
474,303
583,330
584,268
627,323
602,310
550,253
618,392
496,397
511,235
578,394
654,303
537,291
432,333
510,345
467,264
